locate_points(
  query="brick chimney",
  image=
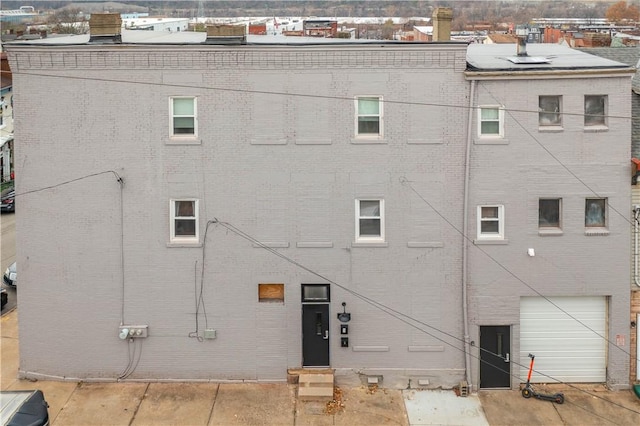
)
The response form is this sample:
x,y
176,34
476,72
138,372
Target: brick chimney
x,y
105,27
442,17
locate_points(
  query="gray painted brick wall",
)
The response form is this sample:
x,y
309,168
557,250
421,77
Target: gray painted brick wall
x,y
286,170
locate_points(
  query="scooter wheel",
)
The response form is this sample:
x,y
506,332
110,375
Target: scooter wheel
x,y
559,398
526,392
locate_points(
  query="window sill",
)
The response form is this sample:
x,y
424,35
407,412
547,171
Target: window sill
x,y
596,129
184,244
550,129
481,242
548,232
183,141
377,244
491,141
363,140
596,232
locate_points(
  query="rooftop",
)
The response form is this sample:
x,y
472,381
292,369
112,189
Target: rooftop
x,y
540,56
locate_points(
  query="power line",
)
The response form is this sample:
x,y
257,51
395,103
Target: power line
x,y
407,319
306,95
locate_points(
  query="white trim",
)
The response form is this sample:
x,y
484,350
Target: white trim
x,y
172,220
500,133
500,219
369,239
173,135
380,116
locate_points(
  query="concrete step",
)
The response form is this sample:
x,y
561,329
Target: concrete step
x,y
315,386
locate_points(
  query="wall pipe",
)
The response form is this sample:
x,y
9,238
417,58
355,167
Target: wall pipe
x,y
465,240
636,222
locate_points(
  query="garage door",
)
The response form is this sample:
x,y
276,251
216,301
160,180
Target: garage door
x,y
564,347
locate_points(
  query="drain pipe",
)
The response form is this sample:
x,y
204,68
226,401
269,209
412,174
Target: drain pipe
x,y
636,224
465,241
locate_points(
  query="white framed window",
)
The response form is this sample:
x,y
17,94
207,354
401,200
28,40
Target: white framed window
x,y
549,213
549,108
595,110
491,121
370,220
491,222
183,220
369,116
184,119
595,210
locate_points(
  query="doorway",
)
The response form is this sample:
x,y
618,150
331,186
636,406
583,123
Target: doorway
x,y
495,356
315,325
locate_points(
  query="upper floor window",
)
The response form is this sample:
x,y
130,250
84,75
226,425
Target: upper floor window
x,y
183,116
491,121
595,109
370,220
549,111
184,220
595,212
491,222
369,116
549,212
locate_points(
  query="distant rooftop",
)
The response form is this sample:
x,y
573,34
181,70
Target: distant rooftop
x,y
503,57
195,38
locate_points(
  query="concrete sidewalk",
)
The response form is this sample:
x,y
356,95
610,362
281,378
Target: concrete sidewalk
x,y
192,404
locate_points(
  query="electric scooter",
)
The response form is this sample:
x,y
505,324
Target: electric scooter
x,y
528,391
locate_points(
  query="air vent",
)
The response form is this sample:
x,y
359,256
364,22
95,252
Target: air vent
x,y
529,60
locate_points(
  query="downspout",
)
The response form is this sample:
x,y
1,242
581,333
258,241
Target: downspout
x,y
465,243
636,223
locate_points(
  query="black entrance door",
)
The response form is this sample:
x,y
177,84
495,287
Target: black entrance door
x,y
495,356
315,335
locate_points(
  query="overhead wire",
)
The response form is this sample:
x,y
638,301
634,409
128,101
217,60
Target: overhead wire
x,y
200,299
287,94
407,319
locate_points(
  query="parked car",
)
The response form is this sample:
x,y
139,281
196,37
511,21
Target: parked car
x,y
24,408
10,276
4,298
8,201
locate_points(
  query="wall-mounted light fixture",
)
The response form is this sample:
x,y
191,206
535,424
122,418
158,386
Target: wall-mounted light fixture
x,y
531,252
344,316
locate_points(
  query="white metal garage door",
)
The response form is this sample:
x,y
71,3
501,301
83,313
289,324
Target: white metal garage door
x,y
565,349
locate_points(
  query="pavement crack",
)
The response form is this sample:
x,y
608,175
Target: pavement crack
x,y
144,395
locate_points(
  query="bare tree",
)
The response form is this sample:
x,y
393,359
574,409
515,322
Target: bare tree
x,y
68,21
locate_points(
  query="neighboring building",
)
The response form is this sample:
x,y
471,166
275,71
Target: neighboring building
x,y
19,16
233,201
631,56
320,28
552,190
156,24
6,119
422,33
500,38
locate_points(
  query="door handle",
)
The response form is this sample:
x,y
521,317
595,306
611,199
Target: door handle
x,y
326,335
506,357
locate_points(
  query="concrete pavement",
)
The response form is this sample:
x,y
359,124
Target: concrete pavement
x,y
209,404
